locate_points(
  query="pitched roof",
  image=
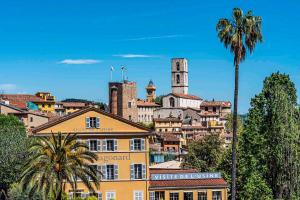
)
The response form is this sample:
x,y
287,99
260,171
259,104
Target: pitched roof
x,y
143,103
186,96
169,137
82,111
168,119
226,104
20,100
73,104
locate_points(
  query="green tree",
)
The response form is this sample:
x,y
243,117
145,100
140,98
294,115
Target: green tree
x,y
204,154
270,142
55,161
13,143
243,31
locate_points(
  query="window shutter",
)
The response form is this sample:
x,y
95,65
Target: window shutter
x,y
87,122
152,195
99,196
98,145
115,144
131,145
97,122
104,171
144,171
99,171
88,144
143,144
132,171
116,170
104,145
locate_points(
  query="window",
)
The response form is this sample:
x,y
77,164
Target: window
x,y
159,195
129,104
217,195
110,169
177,78
202,195
43,105
174,196
129,117
177,66
137,144
110,195
172,102
188,196
111,145
94,145
206,108
138,195
97,195
92,122
95,168
137,171
110,172
31,119
214,109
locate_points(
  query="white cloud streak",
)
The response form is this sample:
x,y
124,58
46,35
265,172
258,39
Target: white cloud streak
x,y
7,87
136,56
79,61
155,37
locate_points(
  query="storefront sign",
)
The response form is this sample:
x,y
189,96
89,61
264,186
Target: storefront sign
x,y
157,177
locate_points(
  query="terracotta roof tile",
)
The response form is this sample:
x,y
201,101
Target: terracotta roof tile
x,y
74,104
187,96
226,104
142,103
188,183
20,100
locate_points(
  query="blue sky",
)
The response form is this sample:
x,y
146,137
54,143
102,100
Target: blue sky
x,y
42,44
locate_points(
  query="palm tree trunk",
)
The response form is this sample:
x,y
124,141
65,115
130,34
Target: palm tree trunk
x,y
234,132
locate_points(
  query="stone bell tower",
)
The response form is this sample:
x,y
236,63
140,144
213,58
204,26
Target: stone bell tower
x,y
150,89
180,82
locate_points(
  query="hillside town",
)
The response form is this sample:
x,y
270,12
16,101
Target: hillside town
x,y
149,100
167,127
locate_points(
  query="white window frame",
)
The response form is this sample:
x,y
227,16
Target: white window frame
x,y
138,195
212,194
114,195
204,191
173,193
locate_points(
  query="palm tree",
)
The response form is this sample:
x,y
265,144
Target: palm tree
x,y
55,161
238,34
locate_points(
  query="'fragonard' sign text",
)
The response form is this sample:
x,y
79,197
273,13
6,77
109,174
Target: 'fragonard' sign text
x,y
157,177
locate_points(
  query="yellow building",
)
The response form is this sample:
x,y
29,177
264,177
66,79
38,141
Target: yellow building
x,y
170,124
122,147
123,158
45,102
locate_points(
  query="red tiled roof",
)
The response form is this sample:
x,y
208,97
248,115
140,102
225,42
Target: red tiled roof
x,y
188,183
170,137
186,96
20,100
172,171
169,119
74,104
226,104
142,103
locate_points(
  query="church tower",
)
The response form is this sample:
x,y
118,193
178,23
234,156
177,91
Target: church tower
x,y
150,89
180,82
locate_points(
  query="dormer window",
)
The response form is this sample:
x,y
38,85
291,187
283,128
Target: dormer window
x,y
92,122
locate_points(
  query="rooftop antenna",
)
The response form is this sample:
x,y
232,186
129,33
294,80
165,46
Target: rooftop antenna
x,y
111,72
123,69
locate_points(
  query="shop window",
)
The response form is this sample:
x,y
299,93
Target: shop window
x,y
217,195
174,196
202,195
188,196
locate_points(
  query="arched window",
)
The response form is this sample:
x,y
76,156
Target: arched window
x,y
177,66
177,78
172,102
